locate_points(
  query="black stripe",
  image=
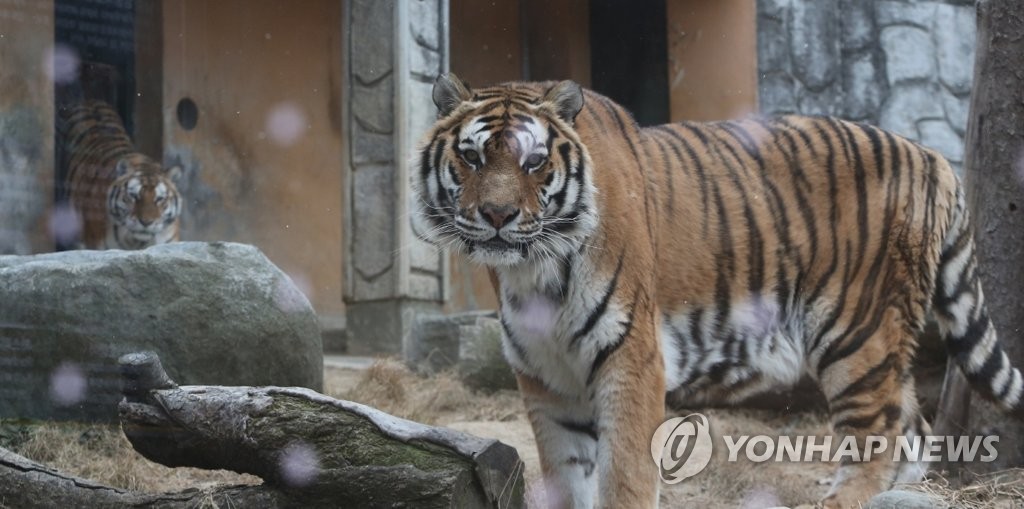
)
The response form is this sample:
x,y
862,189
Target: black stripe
x,y
871,281
567,264
702,180
425,160
668,176
602,306
862,195
608,350
585,428
725,263
520,351
830,172
755,242
559,196
867,382
526,119
890,412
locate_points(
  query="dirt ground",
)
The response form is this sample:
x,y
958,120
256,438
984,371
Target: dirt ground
x,y
103,454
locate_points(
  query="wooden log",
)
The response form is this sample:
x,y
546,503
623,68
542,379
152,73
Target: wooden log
x,y
314,449
311,451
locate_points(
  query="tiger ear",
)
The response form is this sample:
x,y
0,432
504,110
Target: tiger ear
x,y
449,92
566,98
124,166
174,173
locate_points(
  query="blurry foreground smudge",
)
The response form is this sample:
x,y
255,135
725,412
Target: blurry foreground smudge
x,y
65,224
285,123
61,64
300,465
68,384
292,294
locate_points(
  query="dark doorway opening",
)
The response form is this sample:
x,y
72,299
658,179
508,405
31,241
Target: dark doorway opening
x,y
629,56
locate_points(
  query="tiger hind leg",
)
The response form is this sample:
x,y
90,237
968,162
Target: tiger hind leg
x,y
871,399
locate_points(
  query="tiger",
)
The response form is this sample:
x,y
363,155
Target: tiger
x,y
122,198
694,263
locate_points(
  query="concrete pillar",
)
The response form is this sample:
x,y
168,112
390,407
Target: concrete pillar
x,y
394,51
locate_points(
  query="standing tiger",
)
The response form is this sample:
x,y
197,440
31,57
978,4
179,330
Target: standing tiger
x,y
123,198
705,261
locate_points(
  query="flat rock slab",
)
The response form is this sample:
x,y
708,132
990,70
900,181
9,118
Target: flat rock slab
x,y
216,313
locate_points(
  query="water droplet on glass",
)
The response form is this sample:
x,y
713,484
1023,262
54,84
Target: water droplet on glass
x,y
537,315
67,384
285,123
64,224
290,294
300,465
61,64
1019,167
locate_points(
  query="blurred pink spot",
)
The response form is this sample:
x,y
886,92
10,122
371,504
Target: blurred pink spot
x,y
64,224
757,316
285,123
67,384
61,64
299,464
537,314
760,498
291,292
1019,167
546,493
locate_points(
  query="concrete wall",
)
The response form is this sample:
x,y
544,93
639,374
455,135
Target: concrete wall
x,y
903,65
26,125
263,163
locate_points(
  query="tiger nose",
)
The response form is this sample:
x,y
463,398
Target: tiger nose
x,y
498,216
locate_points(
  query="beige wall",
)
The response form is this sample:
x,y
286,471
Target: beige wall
x,y
712,64
251,65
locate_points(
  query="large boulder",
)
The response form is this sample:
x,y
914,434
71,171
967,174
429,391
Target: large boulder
x,y
482,364
217,314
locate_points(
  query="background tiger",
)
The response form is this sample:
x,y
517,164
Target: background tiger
x,y
710,261
124,199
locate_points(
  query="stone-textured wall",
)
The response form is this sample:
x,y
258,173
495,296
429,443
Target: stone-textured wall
x,y
374,133
395,49
905,65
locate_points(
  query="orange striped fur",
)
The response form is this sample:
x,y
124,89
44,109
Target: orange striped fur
x,y
697,263
123,198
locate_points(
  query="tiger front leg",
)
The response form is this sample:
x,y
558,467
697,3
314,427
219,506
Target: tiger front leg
x,y
566,436
628,392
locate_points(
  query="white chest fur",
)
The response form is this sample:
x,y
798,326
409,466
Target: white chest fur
x,y
556,328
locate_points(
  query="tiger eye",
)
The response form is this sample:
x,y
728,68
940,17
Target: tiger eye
x,y
471,156
534,160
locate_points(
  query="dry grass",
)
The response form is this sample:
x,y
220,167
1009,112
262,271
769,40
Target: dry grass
x,y
102,453
1002,489
724,484
390,386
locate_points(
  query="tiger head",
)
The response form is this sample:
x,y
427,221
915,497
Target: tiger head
x,y
143,202
502,175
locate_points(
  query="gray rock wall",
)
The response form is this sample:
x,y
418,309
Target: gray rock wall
x,y
905,65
